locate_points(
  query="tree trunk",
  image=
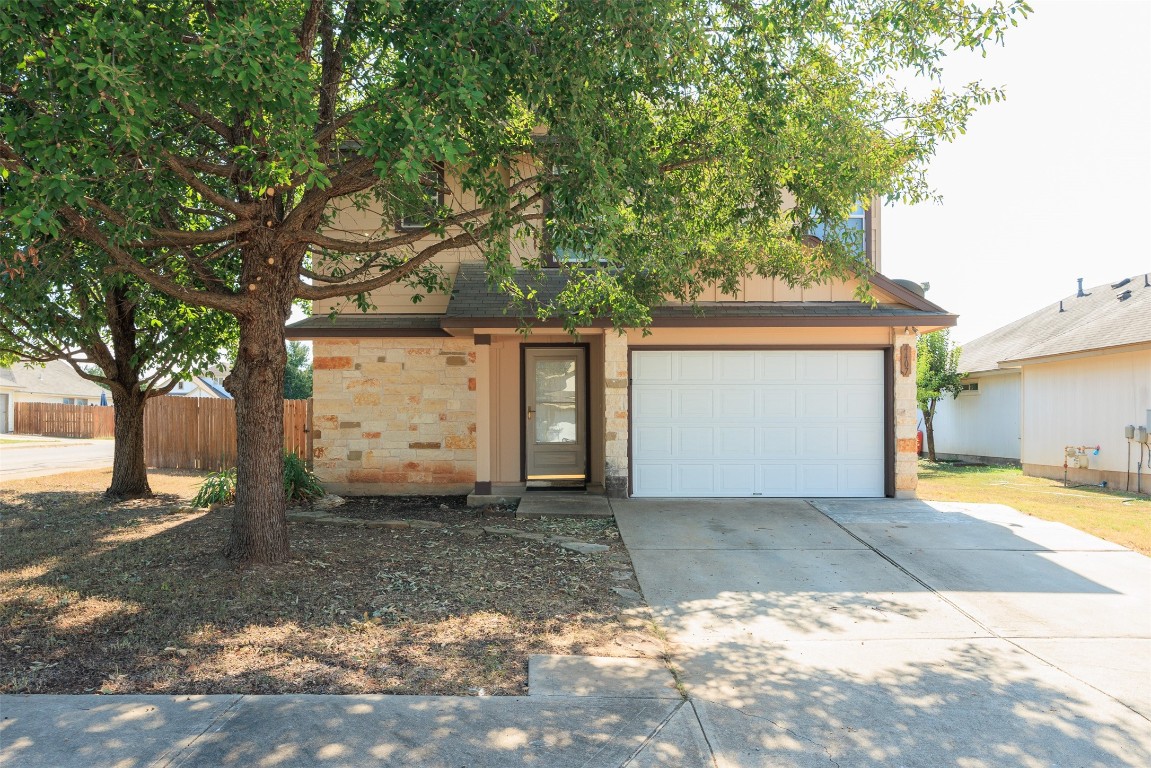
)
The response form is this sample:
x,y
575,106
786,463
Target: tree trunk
x,y
259,526
928,427
129,472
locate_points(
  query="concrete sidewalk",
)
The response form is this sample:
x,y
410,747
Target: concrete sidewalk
x,y
582,711
892,633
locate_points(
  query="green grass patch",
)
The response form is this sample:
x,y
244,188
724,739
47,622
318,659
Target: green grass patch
x,y
1122,518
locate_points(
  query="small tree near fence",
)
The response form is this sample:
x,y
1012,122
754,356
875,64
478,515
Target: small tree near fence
x,y
937,375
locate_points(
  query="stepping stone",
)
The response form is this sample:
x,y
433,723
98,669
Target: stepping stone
x,y
583,547
392,524
628,594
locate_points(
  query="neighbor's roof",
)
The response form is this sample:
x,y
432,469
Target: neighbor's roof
x,y
54,378
1101,320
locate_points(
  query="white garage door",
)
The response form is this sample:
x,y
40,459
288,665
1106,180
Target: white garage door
x,y
757,423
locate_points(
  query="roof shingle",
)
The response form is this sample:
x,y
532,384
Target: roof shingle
x,y
1086,324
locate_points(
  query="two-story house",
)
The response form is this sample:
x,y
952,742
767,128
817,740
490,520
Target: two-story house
x,y
772,392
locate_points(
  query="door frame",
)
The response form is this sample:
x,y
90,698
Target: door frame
x,y
524,403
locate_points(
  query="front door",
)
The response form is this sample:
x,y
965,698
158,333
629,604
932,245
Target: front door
x,y
555,395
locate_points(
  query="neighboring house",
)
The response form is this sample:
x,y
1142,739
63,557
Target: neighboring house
x,y
777,391
1073,374
54,382
201,386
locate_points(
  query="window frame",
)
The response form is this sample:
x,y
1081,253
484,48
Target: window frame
x,y
405,223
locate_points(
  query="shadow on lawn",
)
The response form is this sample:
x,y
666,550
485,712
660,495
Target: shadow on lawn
x,y
136,599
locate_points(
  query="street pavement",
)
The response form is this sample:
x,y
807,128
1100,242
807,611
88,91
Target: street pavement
x,y
832,633
26,456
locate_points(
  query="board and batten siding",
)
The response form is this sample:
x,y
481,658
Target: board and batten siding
x,y
981,424
1086,401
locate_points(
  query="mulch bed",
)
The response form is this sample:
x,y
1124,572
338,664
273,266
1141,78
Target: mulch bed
x,y
134,597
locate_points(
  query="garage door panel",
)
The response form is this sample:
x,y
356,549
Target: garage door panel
x,y
651,403
777,403
735,403
694,404
735,479
818,442
861,403
861,479
777,441
778,479
735,442
654,442
736,367
653,479
861,367
695,479
819,404
775,367
860,443
652,367
694,442
758,423
694,366
819,367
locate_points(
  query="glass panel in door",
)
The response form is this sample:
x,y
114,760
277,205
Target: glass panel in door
x,y
555,414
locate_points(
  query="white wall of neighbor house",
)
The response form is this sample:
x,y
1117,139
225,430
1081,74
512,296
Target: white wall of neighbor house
x,y
982,423
1085,401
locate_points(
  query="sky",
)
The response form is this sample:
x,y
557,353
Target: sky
x,y
1049,186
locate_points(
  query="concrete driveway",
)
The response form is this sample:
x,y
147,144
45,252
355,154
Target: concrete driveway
x,y
861,632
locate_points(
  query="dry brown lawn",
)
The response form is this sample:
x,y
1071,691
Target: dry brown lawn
x,y
134,597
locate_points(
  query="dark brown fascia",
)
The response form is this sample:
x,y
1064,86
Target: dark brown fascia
x,y
910,298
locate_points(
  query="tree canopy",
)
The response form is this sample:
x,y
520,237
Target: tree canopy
x,y
681,142
59,300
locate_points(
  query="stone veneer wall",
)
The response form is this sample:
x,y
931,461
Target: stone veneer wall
x,y
395,416
616,425
906,420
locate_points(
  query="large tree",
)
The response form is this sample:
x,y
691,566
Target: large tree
x,y
936,377
60,301
681,142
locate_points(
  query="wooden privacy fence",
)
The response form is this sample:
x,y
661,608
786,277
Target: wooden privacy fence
x,y
59,420
200,433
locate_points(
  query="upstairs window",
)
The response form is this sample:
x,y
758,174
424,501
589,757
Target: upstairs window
x,y
857,221
432,187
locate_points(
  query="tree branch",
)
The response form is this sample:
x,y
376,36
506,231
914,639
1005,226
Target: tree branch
x,y
215,124
238,209
307,34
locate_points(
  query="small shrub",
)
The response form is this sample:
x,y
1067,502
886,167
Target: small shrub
x,y
217,488
300,484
